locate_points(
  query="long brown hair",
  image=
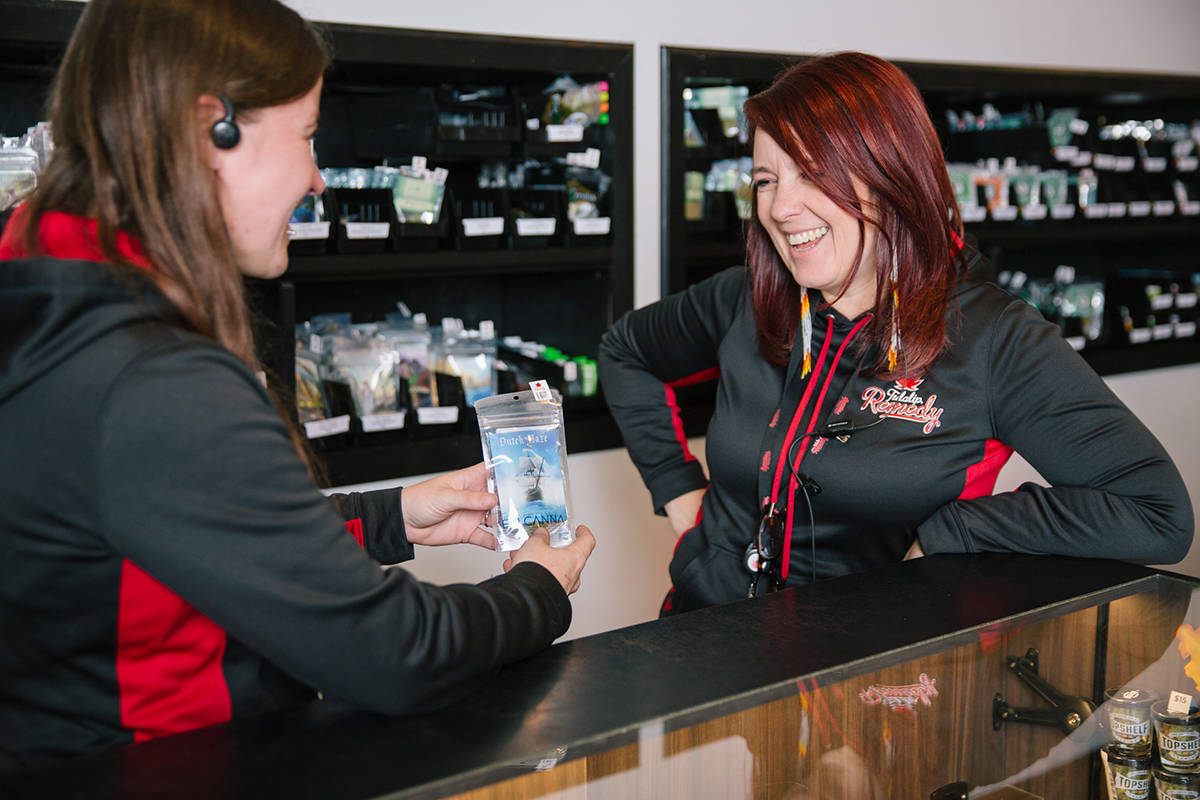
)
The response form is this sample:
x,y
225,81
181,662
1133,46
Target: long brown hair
x,y
854,114
129,147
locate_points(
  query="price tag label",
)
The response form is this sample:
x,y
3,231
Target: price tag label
x,y
1077,342
437,415
1165,331
1062,211
1164,208
367,230
1154,164
564,133
299,231
1161,302
1139,336
1185,300
541,391
1184,330
1096,211
1179,703
384,422
1124,163
1066,152
974,213
1082,159
1116,210
1034,212
320,428
1004,213
1187,163
589,158
483,226
1140,208
1077,126
594,226
1190,208
1104,161
536,226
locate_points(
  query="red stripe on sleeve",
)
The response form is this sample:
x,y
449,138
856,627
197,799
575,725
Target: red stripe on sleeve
x,y
712,373
981,476
354,527
168,660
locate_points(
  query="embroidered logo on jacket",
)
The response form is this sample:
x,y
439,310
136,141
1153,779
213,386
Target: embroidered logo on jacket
x,y
903,402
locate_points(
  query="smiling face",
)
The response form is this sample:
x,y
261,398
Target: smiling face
x,y
816,240
262,180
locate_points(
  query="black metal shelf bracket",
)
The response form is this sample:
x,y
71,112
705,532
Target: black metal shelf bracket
x,y
1066,712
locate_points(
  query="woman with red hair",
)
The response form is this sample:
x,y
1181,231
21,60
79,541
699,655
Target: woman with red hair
x,y
870,389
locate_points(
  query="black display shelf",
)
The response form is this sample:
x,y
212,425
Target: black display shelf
x,y
341,266
565,293
1097,247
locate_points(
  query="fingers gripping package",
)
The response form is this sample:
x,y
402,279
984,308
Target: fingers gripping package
x,y
526,452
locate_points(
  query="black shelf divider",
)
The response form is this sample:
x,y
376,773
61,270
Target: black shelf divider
x,y
1104,246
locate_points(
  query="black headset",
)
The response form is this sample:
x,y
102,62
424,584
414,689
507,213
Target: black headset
x,y
225,133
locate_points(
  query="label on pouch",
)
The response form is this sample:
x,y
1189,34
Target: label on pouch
x,y
564,133
383,422
319,428
483,226
541,391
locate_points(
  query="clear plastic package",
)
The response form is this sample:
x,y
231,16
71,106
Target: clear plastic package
x,y
525,448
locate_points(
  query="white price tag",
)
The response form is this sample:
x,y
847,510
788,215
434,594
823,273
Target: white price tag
x,y
299,231
1139,336
1184,330
384,422
319,428
1066,152
483,226
1076,342
419,163
1164,331
974,213
1124,163
437,415
536,226
367,230
1190,208
1104,161
1140,208
1161,302
1034,212
1179,703
1082,159
1117,210
1077,126
541,391
1185,300
316,344
1187,163
593,226
1154,164
1062,211
589,158
1004,213
564,133
1096,211
1164,208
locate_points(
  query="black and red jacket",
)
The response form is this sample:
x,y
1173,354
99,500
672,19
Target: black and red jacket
x,y
166,561
1008,381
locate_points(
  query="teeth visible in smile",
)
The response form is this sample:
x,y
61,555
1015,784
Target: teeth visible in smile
x,y
807,236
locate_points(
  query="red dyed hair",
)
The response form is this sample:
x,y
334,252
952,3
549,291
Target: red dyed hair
x,y
856,114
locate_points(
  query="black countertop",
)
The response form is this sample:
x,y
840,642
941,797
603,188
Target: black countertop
x,y
593,694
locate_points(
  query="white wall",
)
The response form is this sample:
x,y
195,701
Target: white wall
x,y
627,576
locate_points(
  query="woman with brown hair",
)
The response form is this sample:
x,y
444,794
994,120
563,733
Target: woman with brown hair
x,y
169,562
870,389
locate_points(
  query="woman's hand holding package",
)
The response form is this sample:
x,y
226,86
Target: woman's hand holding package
x,y
447,509
565,563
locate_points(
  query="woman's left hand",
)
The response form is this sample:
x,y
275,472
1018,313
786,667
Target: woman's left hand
x,y
449,508
914,550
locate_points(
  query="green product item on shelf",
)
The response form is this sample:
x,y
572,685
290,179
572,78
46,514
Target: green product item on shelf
x,y
418,197
1026,186
693,195
1062,125
963,183
589,378
727,100
368,367
1053,186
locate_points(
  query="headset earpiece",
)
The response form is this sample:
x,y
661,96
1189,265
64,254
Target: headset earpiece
x,y
225,133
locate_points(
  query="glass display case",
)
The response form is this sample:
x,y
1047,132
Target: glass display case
x,y
997,675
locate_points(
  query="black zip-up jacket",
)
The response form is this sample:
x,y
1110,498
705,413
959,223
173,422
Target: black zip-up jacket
x,y
165,560
1007,382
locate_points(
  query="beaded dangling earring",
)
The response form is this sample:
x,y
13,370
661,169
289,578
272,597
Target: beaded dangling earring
x,y
894,346
806,332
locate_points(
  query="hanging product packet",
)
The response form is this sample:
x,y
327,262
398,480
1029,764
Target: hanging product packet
x,y
525,448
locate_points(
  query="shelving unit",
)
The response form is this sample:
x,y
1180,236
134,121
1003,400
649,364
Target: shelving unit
x,y
694,250
564,293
